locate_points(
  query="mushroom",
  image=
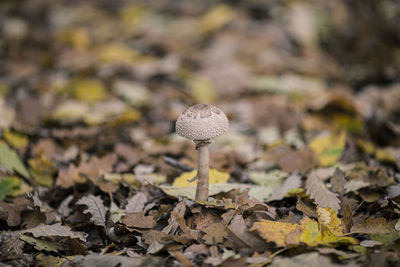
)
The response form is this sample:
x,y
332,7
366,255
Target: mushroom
x,y
201,123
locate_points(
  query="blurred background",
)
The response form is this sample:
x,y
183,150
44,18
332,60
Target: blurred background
x,y
99,75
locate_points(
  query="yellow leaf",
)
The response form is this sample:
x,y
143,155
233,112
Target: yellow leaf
x,y
79,38
216,177
275,231
366,146
202,90
385,156
117,53
128,116
130,15
329,148
329,218
89,90
15,139
307,232
216,18
348,123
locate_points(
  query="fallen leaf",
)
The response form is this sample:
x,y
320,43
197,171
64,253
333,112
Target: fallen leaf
x,y
307,232
10,186
10,160
293,181
373,226
215,177
328,148
216,18
215,233
136,203
239,229
116,213
17,140
338,181
95,208
41,244
11,247
104,261
138,220
321,195
56,230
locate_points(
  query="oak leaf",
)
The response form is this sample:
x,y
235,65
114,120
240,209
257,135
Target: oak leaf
x,y
95,208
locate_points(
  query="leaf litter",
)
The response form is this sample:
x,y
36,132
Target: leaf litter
x,y
92,172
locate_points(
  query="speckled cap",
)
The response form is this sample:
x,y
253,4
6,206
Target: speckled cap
x,y
201,122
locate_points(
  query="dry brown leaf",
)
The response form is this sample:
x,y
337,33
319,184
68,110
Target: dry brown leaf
x,y
56,230
307,210
238,228
136,203
95,208
215,233
373,226
10,246
321,195
301,161
138,220
67,178
338,181
293,181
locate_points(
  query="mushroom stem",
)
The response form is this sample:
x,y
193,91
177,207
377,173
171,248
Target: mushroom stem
x,y
203,171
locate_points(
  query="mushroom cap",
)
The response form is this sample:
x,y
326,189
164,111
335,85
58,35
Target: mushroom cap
x,y
201,122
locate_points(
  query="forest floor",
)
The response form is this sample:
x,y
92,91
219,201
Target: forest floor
x,y
92,172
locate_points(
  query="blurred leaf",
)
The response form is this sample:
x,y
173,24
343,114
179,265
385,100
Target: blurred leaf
x,y
385,156
202,90
216,18
348,123
76,37
10,160
329,148
9,186
215,177
7,115
214,189
88,90
386,238
271,179
117,53
17,140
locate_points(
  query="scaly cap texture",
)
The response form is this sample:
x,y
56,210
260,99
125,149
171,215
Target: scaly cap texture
x,y
201,122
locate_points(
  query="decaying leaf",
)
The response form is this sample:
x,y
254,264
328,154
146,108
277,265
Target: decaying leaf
x,y
138,220
373,226
136,203
103,261
215,233
320,193
95,208
55,230
41,244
